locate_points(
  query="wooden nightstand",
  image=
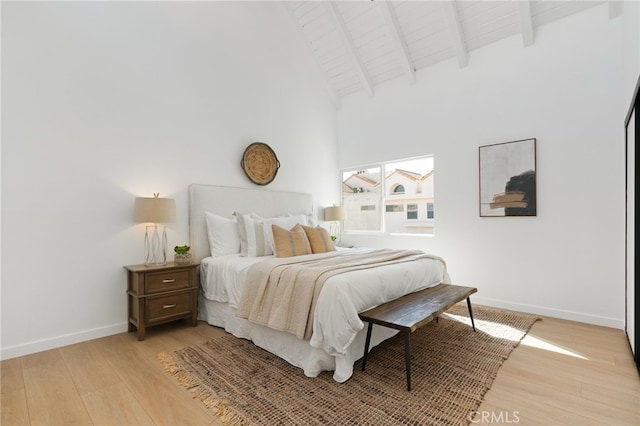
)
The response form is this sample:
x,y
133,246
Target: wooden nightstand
x,y
159,294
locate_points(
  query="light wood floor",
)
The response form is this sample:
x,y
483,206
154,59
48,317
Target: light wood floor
x,y
564,373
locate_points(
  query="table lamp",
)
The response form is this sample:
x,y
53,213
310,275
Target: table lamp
x,y
155,211
335,215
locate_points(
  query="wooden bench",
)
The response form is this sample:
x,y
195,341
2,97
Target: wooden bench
x,y
412,311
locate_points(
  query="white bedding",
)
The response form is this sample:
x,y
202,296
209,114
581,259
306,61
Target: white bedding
x,y
336,323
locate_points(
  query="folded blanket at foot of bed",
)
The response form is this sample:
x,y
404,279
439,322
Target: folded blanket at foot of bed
x,y
282,293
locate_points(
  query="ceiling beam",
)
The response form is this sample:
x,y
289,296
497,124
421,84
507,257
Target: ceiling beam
x,y
393,29
526,22
333,95
615,8
348,43
455,32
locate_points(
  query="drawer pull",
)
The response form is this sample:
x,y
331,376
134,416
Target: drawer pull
x,y
169,281
169,306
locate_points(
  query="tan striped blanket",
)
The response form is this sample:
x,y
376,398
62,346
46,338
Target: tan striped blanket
x,y
282,293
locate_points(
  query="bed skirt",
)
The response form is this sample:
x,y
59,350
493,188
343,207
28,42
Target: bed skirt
x,y
295,351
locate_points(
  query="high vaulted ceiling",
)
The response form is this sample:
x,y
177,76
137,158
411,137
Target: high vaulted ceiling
x,y
361,44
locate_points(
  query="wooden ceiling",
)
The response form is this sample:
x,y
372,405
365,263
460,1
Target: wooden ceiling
x,y
360,44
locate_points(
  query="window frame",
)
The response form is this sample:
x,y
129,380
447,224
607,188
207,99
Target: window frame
x,y
413,209
431,210
382,198
395,190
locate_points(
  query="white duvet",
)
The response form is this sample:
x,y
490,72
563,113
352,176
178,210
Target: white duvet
x,y
343,296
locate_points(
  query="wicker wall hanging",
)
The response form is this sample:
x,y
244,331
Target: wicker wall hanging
x,y
260,163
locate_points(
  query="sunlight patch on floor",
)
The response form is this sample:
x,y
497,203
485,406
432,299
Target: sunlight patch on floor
x,y
491,328
538,343
502,331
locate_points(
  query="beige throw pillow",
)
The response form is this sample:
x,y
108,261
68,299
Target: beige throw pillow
x,y
290,243
319,239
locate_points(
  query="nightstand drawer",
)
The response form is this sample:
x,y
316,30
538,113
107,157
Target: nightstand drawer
x,y
162,308
165,281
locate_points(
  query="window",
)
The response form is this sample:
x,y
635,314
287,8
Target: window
x,y
398,189
430,211
395,208
412,211
360,197
376,197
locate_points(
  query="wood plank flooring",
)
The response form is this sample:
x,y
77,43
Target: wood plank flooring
x,y
564,373
567,373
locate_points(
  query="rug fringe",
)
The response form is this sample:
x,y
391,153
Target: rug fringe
x,y
220,408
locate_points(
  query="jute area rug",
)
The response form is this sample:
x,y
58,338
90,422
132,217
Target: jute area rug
x,y
452,368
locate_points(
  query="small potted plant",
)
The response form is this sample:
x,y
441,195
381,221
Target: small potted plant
x,y
182,256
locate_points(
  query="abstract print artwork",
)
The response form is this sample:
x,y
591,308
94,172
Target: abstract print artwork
x,y
508,179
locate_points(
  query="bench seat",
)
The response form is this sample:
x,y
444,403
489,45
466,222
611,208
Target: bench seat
x,y
412,311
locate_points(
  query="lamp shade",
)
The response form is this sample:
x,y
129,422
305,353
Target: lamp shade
x,y
334,213
154,210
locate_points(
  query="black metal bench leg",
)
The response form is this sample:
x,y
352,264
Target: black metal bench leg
x,y
407,357
366,346
471,314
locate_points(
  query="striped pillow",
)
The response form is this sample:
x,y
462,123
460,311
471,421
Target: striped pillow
x,y
252,239
290,243
283,222
319,239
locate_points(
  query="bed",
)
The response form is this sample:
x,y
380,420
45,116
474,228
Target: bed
x,y
334,338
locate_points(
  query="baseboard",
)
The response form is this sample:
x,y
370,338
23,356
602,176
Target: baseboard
x,y
60,341
96,333
550,312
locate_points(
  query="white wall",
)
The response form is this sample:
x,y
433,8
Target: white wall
x,y
631,74
631,47
103,102
565,90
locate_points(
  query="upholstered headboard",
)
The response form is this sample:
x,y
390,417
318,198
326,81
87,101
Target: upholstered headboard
x,y
225,200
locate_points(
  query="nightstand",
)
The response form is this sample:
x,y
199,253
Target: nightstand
x,y
159,294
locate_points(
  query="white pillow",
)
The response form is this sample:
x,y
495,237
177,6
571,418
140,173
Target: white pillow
x,y
305,219
286,222
223,234
252,236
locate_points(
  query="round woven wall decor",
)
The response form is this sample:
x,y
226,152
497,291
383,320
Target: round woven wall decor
x,y
260,163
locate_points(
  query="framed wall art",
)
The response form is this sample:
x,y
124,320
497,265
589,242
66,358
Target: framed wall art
x,y
508,179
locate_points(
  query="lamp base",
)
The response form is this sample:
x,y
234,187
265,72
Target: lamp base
x,y
335,232
155,246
